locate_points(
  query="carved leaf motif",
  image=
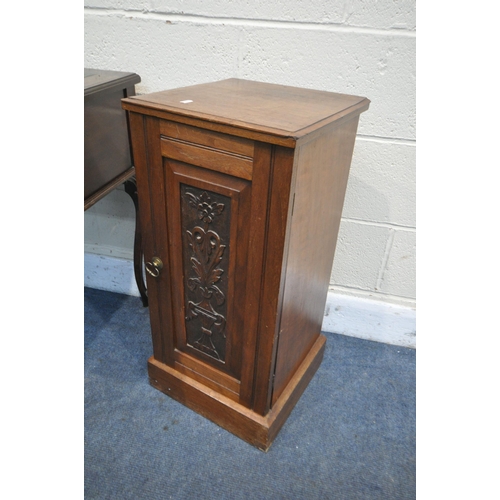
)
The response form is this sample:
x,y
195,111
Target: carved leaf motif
x,y
192,200
193,283
200,271
218,208
219,296
214,276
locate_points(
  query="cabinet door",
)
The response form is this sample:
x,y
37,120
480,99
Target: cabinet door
x,y
208,216
216,215
208,244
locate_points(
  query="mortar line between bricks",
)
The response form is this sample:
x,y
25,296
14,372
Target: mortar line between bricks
x,y
387,140
388,225
174,18
372,294
385,259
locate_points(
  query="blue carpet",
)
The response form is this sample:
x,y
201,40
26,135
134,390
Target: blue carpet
x,y
351,435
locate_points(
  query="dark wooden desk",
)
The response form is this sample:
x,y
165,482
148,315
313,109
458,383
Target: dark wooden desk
x,y
108,156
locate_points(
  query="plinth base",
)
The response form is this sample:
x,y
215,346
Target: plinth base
x,y
253,428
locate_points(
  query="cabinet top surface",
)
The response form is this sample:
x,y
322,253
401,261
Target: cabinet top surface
x,y
272,108
96,80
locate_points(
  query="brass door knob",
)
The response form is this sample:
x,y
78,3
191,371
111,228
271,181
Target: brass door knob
x,y
154,267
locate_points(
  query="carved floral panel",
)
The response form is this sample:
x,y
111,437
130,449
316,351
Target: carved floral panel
x,y
205,231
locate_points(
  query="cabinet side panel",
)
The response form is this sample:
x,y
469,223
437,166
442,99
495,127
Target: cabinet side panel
x,y
322,171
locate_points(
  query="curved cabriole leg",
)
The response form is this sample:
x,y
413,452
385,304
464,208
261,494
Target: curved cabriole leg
x,y
131,190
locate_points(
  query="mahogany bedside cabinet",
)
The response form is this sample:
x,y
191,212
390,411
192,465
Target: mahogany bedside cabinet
x,y
245,183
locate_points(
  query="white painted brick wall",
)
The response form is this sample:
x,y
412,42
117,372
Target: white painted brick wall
x,y
352,46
